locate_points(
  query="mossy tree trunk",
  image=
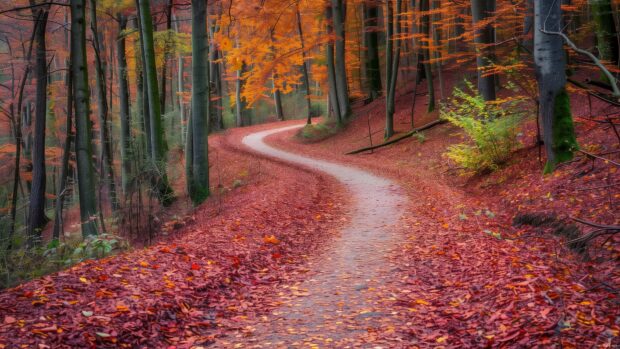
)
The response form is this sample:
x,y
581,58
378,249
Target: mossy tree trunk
x,y
198,177
606,31
83,124
550,61
157,138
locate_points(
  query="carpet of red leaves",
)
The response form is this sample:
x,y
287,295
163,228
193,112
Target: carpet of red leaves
x,y
467,278
226,260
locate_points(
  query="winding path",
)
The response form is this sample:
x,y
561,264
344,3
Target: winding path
x,y
339,300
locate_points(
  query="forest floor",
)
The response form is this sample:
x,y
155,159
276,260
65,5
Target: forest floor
x,y
256,265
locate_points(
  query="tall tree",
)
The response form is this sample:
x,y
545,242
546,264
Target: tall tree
x,y
334,97
157,139
198,178
371,41
393,27
484,37
340,68
107,173
123,96
36,211
83,124
277,95
607,39
550,61
304,66
425,28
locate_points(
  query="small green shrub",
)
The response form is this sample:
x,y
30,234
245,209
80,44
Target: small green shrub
x,y
491,127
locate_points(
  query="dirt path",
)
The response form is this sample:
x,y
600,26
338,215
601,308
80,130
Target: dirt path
x,y
337,300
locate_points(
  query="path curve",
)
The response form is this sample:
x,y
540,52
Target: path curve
x,y
338,300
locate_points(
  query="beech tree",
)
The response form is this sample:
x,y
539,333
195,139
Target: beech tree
x,y
198,177
36,213
550,62
83,124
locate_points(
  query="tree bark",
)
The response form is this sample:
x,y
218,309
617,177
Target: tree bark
x,y
483,38
198,179
125,115
83,124
304,67
392,63
36,210
371,39
107,175
550,61
425,28
606,32
338,19
66,154
157,141
331,72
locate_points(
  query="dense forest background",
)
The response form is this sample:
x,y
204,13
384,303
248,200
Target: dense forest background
x,y
107,105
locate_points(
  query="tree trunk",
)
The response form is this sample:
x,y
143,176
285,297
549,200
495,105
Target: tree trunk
x,y
107,175
198,179
240,105
550,61
125,115
142,98
36,211
215,73
83,124
483,38
392,59
371,39
331,72
338,19
157,141
606,32
304,67
66,154
167,48
428,73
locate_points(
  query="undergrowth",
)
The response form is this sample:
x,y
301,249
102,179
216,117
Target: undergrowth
x,y
318,132
491,128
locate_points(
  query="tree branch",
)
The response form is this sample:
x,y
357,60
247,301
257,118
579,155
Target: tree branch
x,y
601,66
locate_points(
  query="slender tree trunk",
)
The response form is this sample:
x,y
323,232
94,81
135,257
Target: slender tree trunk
x,y
483,38
125,115
550,60
371,39
338,19
142,91
19,141
331,72
217,121
277,97
107,175
240,106
157,141
606,32
36,211
198,179
83,124
304,67
389,43
167,48
66,154
428,73
436,30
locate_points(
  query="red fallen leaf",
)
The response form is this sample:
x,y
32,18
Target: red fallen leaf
x,y
28,294
102,277
9,319
195,266
276,255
